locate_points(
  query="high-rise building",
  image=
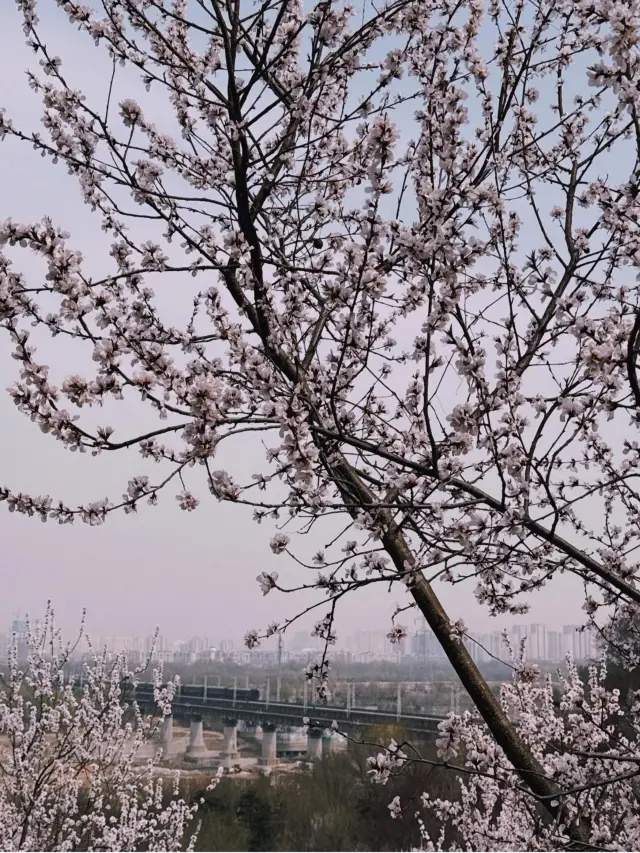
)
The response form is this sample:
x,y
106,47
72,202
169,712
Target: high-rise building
x,y
19,627
570,640
161,645
484,648
19,631
537,643
586,644
496,645
475,650
517,634
555,650
425,645
371,643
580,641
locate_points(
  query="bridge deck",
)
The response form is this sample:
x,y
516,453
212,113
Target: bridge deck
x,y
292,714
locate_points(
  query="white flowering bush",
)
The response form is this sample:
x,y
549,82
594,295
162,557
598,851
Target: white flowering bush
x,y
583,737
72,776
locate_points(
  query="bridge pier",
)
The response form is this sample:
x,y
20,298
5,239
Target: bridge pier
x,y
167,734
269,754
314,744
230,743
197,746
330,743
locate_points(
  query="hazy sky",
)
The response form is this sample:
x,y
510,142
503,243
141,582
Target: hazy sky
x,y
189,573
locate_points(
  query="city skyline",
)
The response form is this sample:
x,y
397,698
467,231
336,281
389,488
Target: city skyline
x,y
544,643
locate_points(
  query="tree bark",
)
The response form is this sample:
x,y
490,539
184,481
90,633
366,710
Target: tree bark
x,y
501,727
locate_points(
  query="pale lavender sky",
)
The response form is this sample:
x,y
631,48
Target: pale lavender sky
x,y
189,573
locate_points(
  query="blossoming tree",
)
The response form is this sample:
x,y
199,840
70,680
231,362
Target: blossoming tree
x,y
70,770
412,229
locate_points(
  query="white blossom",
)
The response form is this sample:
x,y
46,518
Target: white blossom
x,y
279,543
397,634
395,809
267,581
495,811
69,743
251,639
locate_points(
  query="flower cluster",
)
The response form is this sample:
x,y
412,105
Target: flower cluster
x,y
267,581
74,773
585,739
277,340
385,764
397,634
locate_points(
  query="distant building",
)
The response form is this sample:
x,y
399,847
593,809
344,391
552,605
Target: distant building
x,y
517,634
19,631
424,645
554,646
472,646
496,645
580,641
537,643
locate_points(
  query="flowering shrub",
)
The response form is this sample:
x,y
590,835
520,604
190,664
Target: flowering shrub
x,y
70,771
584,738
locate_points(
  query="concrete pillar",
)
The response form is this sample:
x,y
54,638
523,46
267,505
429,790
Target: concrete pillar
x,y
230,743
399,702
278,688
269,755
330,744
197,745
167,734
246,682
314,744
333,743
267,693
